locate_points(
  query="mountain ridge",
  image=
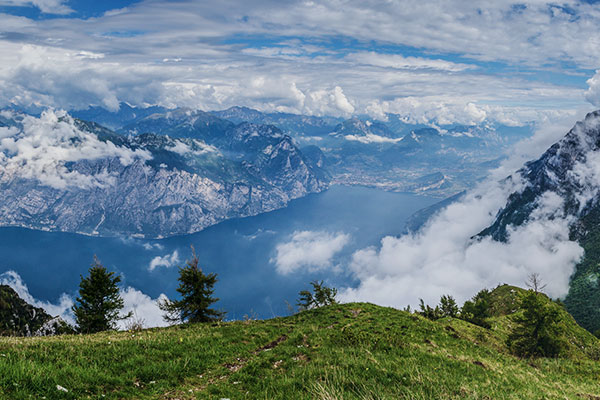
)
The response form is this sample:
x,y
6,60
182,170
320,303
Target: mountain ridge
x,y
567,171
148,184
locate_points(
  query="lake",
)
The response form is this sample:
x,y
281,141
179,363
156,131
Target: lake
x,y
241,251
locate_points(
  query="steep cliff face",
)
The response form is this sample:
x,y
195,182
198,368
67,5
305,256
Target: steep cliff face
x,y
570,168
57,173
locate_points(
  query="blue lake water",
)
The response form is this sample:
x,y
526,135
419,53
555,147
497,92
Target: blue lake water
x,y
239,251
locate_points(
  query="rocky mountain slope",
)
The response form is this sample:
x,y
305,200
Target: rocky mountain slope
x,y
171,174
569,173
18,318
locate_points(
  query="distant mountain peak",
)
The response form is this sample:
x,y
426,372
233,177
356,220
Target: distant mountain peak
x,y
566,180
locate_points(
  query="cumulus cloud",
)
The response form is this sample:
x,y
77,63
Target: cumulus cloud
x,y
199,148
309,250
141,305
152,246
44,146
167,261
144,308
72,63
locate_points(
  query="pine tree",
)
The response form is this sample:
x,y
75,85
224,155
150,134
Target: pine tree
x,y
429,312
477,310
99,303
448,306
537,331
196,290
321,296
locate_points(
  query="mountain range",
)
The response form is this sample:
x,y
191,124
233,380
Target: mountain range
x,y
393,155
179,173
155,172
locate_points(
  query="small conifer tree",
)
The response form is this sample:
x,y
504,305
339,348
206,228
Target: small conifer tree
x,y
99,303
320,296
477,310
196,290
448,306
537,332
429,312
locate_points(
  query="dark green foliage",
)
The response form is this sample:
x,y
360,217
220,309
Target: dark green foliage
x,y
477,310
99,303
196,290
321,296
17,318
583,299
537,332
448,306
428,311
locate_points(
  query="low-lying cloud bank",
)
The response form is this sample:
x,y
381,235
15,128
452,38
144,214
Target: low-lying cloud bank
x,y
144,308
309,250
446,256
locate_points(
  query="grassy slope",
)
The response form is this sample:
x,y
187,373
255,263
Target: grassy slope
x,y
344,351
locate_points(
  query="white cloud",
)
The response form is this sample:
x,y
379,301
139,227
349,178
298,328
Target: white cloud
x,y
444,258
400,62
309,250
72,63
182,148
167,261
144,308
41,149
371,138
593,93
152,246
45,6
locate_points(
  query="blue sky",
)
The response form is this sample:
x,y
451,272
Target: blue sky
x,y
439,61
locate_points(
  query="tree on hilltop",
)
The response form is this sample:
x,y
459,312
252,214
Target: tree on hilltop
x,y
477,310
99,303
196,290
537,332
320,296
535,283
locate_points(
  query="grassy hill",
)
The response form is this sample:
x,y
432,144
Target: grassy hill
x,y
348,351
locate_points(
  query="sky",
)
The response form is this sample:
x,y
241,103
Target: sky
x,y
438,61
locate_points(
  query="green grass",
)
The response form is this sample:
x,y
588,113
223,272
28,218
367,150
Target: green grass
x,y
349,351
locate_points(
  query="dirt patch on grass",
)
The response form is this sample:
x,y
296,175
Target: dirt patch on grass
x,y
355,312
271,345
235,366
